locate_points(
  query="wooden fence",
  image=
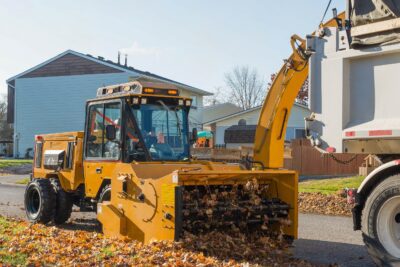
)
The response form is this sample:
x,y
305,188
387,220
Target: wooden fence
x,y
309,162
299,156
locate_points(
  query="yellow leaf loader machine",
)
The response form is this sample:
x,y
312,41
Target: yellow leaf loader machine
x,y
132,165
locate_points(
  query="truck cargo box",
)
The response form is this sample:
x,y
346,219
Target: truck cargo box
x,y
354,94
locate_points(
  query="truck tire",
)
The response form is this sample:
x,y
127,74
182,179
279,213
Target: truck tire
x,y
64,203
39,200
381,222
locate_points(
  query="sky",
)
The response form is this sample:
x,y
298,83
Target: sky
x,y
194,42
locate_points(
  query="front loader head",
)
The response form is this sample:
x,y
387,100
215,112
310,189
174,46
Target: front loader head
x,y
171,199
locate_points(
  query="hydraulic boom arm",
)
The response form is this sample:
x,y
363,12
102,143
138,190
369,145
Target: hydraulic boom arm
x,y
271,128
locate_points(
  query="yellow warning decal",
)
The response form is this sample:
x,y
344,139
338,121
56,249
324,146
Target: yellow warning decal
x,y
168,194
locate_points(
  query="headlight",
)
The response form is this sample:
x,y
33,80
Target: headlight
x,y
144,100
180,102
188,102
135,100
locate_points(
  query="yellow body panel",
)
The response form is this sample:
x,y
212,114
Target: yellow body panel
x,y
147,220
70,179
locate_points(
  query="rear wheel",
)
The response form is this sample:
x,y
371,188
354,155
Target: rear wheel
x,y
64,203
381,222
39,200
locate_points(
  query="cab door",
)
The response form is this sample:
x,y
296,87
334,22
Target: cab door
x,y
101,154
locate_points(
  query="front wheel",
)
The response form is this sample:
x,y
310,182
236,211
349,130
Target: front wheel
x,y
64,204
381,222
39,200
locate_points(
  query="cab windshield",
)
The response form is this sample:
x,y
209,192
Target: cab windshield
x,y
164,130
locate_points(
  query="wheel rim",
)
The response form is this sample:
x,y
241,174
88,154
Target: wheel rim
x,y
33,202
388,226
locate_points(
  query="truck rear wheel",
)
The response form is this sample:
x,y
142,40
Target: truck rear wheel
x,y
64,203
381,222
39,200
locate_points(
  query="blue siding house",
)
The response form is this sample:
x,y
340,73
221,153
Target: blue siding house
x,y
51,96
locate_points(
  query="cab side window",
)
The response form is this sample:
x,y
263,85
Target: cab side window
x,y
95,131
134,149
97,145
112,116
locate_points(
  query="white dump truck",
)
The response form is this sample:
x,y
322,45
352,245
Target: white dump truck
x,y
354,79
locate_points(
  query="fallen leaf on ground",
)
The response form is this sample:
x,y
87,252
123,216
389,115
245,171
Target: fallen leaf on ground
x,y
334,204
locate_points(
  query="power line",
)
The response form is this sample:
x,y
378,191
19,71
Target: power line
x,y
326,11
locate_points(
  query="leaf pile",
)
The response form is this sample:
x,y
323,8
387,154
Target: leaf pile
x,y
22,244
242,248
224,207
334,204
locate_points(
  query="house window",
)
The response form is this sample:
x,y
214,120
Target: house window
x,y
300,133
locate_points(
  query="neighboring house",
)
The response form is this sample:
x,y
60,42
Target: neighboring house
x,y
243,133
213,112
51,96
6,148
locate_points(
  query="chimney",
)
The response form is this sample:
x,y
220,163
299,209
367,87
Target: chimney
x,y
119,58
126,60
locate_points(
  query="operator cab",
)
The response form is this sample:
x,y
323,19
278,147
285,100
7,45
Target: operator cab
x,y
138,121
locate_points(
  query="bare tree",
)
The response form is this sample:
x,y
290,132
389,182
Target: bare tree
x,y
247,88
218,97
271,80
302,96
6,130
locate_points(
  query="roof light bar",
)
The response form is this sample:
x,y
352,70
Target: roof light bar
x,y
140,87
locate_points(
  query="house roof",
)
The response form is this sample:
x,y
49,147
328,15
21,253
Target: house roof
x,y
217,111
246,111
219,105
109,63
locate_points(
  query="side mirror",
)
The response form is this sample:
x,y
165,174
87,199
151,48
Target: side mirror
x,y
111,132
194,136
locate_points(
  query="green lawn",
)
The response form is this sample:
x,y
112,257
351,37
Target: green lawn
x,y
14,162
330,186
23,181
7,231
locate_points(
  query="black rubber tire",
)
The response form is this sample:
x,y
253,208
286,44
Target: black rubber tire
x,y
64,203
39,201
105,194
387,189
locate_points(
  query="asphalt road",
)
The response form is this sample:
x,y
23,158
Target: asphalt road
x,y
330,239
322,239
